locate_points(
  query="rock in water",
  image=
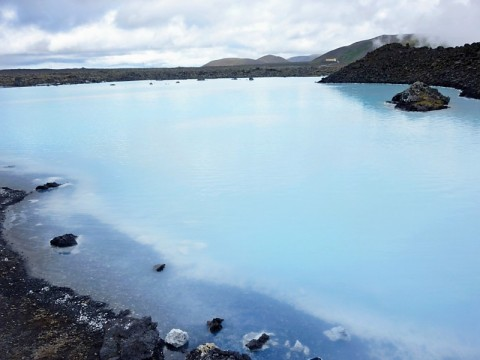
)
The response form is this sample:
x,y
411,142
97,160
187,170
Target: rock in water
x,y
159,267
256,344
215,325
47,186
177,338
131,339
64,240
420,97
210,351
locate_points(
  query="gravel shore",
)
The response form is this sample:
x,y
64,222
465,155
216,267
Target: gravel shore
x,y
40,321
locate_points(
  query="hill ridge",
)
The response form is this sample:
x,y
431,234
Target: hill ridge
x,y
233,61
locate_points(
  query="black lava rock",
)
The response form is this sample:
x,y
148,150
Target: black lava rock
x,y
420,97
131,339
64,240
256,344
159,267
47,186
10,196
457,67
215,325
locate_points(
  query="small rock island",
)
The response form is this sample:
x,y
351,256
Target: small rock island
x,y
420,97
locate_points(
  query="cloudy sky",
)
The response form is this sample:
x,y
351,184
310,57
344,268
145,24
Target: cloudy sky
x,y
113,33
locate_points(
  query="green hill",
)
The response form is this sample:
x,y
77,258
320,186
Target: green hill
x,y
347,54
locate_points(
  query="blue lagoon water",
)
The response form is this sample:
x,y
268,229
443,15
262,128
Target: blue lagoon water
x,y
281,205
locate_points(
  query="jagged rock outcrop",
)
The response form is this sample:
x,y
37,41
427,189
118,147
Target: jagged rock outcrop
x,y
64,240
131,339
10,196
420,97
257,344
457,67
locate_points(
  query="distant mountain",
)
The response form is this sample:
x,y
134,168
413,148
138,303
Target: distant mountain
x,y
303,58
272,59
231,62
347,54
267,59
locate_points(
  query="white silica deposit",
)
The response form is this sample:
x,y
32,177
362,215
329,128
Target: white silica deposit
x,y
177,338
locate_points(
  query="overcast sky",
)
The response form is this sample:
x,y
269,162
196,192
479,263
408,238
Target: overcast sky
x,y
109,33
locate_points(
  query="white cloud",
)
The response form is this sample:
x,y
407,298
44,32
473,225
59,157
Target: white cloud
x,y
165,33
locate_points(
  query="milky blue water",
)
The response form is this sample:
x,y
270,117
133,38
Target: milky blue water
x,y
280,205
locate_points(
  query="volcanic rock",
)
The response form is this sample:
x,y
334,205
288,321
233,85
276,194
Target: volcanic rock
x,y
64,240
420,97
457,67
131,339
47,186
256,344
215,325
159,267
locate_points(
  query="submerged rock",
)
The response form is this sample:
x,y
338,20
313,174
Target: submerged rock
x,y
64,240
215,325
337,333
298,347
159,267
176,338
256,344
420,97
210,351
131,339
47,186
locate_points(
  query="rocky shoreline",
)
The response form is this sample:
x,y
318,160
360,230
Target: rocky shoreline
x,y
456,67
46,77
41,321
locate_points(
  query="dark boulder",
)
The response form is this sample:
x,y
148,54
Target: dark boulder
x,y
215,325
256,344
420,97
64,240
131,339
159,267
47,186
